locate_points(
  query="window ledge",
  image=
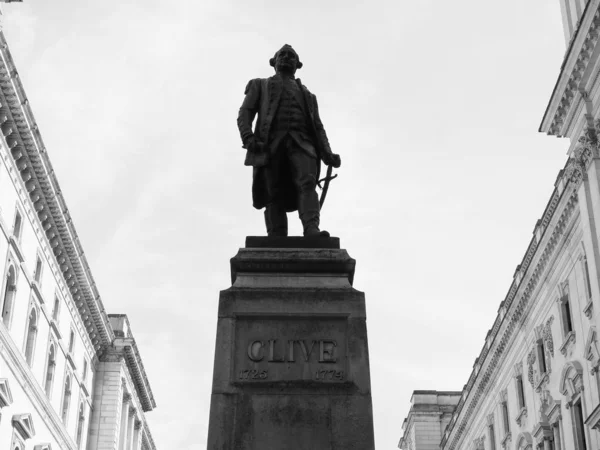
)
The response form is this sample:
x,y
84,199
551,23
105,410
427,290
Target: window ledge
x,y
70,359
85,389
521,416
54,326
542,381
569,341
593,420
36,288
589,309
17,248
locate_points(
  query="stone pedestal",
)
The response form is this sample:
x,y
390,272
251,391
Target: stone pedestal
x,y
291,360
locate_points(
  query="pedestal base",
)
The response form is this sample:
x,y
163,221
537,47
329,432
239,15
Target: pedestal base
x,y
291,360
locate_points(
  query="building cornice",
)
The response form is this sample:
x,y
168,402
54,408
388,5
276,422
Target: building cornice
x,y
31,160
557,219
571,88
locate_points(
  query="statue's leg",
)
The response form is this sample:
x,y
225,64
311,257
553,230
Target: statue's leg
x,y
275,215
304,174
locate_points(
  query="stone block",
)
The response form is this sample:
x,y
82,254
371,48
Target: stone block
x,y
291,356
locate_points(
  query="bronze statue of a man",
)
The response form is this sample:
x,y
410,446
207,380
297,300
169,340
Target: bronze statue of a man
x,y
286,146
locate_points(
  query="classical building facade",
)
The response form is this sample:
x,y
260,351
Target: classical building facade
x,y
71,375
536,382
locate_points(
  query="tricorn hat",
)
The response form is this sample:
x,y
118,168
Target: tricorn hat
x,y
285,47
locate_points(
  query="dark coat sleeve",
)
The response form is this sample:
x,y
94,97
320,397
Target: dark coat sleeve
x,y
319,129
249,109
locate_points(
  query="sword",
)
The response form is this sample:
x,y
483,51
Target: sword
x,y
325,187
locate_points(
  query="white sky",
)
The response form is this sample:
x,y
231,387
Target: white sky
x,y
434,107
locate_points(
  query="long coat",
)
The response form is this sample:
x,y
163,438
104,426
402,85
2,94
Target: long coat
x,y
262,98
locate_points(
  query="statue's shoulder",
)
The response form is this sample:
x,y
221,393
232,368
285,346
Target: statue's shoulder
x,y
254,84
305,89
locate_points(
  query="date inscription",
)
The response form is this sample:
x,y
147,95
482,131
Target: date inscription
x,y
253,374
329,375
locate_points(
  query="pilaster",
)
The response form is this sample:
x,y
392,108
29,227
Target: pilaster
x,y
105,420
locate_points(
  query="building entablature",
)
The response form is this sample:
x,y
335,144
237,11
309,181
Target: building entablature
x,y
124,343
31,162
574,100
427,406
558,218
136,411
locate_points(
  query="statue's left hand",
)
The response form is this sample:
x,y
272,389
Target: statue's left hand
x,y
332,159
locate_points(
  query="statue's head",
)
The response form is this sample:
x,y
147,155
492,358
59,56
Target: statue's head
x,y
286,60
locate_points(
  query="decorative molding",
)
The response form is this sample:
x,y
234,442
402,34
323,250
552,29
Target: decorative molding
x,y
520,419
588,311
16,248
32,165
46,446
24,425
593,420
547,336
5,394
569,342
562,104
506,440
531,358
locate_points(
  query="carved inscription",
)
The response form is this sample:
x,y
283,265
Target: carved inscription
x,y
290,349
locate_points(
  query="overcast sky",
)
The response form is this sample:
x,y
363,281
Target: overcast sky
x,y
433,105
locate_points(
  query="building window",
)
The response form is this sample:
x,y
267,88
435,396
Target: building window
x,y
80,421
586,272
541,356
10,290
505,417
565,312
578,426
37,275
17,225
50,365
66,400
85,370
55,309
492,436
520,392
71,341
31,337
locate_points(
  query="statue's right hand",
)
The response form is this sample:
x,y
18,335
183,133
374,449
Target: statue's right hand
x,y
252,145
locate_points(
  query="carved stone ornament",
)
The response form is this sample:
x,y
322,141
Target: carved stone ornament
x,y
573,172
479,443
530,362
547,336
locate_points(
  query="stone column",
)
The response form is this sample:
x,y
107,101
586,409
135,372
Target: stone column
x,y
137,441
124,419
547,444
556,436
130,428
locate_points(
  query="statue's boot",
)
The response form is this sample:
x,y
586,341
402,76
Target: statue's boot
x,y
276,220
309,211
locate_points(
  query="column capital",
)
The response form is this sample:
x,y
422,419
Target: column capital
x,y
138,424
126,397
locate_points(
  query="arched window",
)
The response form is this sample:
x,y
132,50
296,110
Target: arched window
x,y
10,289
524,441
571,386
80,421
50,365
31,336
66,400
